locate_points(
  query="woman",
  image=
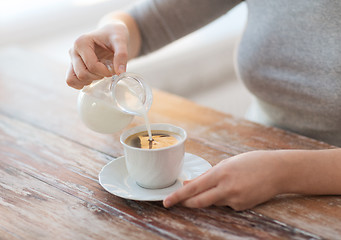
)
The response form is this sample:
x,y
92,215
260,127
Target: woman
x,y
289,58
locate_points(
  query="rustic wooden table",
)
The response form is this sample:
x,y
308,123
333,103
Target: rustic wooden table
x,y
49,165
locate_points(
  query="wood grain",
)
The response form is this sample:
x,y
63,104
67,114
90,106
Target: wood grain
x,y
46,152
43,168
35,210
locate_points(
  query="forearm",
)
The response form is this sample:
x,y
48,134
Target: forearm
x,y
316,172
134,43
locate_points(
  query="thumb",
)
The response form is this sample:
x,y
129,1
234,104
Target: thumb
x,y
120,56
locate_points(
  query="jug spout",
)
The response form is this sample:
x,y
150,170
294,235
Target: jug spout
x,y
131,94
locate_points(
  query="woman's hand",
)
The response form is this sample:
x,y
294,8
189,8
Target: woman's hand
x,y
240,182
94,51
105,51
251,178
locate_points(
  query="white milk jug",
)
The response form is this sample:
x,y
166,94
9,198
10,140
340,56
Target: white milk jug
x,y
109,105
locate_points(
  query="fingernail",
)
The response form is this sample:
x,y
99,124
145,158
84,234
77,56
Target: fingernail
x,y
186,182
167,203
121,69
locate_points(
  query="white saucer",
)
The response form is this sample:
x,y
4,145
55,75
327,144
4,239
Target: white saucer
x,y
115,179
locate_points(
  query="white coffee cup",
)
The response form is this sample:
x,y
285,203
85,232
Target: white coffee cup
x,y
155,168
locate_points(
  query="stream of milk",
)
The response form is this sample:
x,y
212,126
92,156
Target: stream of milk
x,y
129,99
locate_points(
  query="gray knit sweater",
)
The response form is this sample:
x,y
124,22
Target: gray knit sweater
x,y
289,56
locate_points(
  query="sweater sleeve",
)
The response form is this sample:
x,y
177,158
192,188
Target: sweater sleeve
x,y
163,21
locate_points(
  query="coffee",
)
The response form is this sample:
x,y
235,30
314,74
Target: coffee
x,y
159,164
161,139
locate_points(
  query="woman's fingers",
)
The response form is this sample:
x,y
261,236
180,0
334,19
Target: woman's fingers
x,y
204,199
79,76
194,187
121,55
85,49
81,71
191,180
72,80
91,53
85,66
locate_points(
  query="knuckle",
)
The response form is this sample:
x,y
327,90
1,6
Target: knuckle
x,y
91,67
121,26
236,205
73,84
120,36
192,189
80,40
221,173
122,54
69,82
87,83
197,203
83,76
235,191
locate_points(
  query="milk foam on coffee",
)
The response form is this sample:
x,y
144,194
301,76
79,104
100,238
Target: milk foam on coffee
x,y
161,139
